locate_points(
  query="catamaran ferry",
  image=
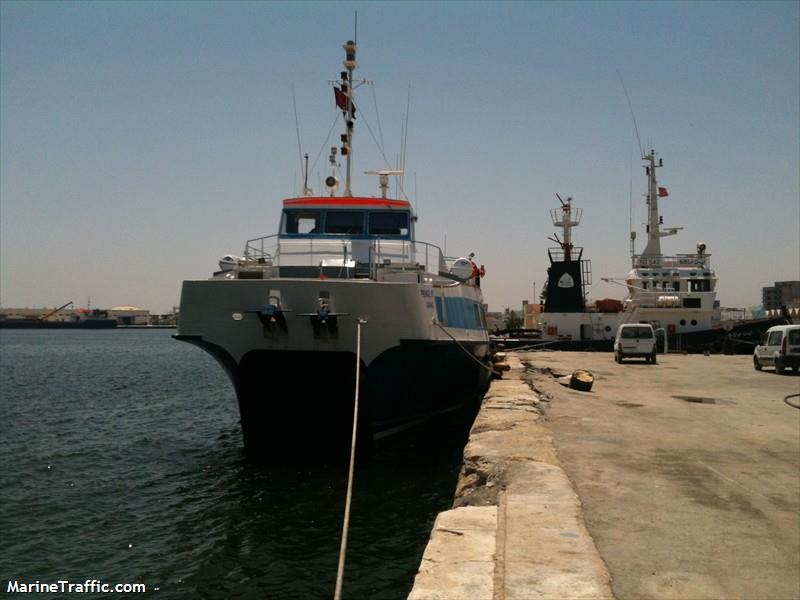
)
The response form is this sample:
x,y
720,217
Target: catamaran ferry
x,y
283,319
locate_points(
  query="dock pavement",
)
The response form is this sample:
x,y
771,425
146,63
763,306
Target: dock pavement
x,y
667,481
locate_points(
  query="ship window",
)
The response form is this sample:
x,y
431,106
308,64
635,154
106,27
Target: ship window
x,y
388,223
683,322
344,222
700,285
301,222
694,322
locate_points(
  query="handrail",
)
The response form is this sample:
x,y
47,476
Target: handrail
x,y
423,255
251,251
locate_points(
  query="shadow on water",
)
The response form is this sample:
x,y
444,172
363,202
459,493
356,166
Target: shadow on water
x,y
274,530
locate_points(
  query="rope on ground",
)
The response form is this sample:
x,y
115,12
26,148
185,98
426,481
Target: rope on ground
x,y
346,525
537,346
467,352
795,404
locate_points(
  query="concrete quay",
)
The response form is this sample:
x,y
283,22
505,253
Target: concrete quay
x,y
675,480
516,529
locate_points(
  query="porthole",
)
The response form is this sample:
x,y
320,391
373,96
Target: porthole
x,y
694,322
608,327
683,322
237,316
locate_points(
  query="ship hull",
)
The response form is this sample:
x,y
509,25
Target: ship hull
x,y
295,383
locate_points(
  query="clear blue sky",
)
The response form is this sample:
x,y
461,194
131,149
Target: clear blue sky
x,y
139,142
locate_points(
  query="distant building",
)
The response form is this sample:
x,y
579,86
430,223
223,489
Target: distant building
x,y
783,293
129,315
125,315
531,314
35,314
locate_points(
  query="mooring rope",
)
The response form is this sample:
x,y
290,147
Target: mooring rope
x,y
346,525
792,403
468,353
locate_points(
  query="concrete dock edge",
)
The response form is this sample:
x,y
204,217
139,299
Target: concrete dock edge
x,y
516,529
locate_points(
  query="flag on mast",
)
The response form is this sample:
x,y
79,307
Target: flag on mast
x,y
341,101
662,192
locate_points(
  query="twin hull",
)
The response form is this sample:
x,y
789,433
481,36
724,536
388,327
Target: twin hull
x,y
295,375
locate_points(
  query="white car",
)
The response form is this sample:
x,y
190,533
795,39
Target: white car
x,y
780,348
635,340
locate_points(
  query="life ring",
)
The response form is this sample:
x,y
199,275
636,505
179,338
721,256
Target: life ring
x,y
483,271
474,269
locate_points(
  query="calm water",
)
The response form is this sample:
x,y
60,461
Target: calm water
x,y
121,460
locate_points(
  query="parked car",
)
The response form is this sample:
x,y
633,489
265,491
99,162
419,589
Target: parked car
x,y
635,340
779,348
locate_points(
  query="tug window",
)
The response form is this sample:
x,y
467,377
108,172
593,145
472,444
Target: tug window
x,y
388,223
344,222
301,222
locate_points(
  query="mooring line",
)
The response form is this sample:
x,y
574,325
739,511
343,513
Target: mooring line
x,y
468,353
346,525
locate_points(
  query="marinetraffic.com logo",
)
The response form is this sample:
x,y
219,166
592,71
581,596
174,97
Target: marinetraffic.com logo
x,y
63,586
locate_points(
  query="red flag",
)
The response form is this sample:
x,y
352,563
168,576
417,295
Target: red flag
x,y
341,101
662,192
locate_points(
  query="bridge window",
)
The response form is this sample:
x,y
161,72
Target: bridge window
x,y
301,222
344,222
388,223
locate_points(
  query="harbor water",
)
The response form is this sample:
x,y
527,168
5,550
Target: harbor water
x,y
122,461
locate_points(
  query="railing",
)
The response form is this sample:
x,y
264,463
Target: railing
x,y
257,247
421,254
379,253
559,255
667,298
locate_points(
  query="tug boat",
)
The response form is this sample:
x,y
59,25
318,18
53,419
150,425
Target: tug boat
x,y
676,294
283,317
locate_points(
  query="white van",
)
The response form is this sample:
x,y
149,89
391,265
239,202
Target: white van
x,y
779,348
635,340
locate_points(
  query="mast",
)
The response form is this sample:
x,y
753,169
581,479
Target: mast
x,y
653,247
654,221
347,88
568,274
566,220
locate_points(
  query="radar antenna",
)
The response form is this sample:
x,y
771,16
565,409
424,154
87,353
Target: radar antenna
x,y
383,179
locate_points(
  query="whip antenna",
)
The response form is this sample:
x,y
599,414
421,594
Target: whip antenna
x,y
299,146
633,116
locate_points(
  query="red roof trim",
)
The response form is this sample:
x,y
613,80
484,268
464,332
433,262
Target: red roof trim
x,y
345,201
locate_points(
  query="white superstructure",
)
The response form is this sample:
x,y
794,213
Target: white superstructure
x,y
673,292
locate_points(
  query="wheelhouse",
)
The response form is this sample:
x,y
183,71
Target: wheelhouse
x,y
353,218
